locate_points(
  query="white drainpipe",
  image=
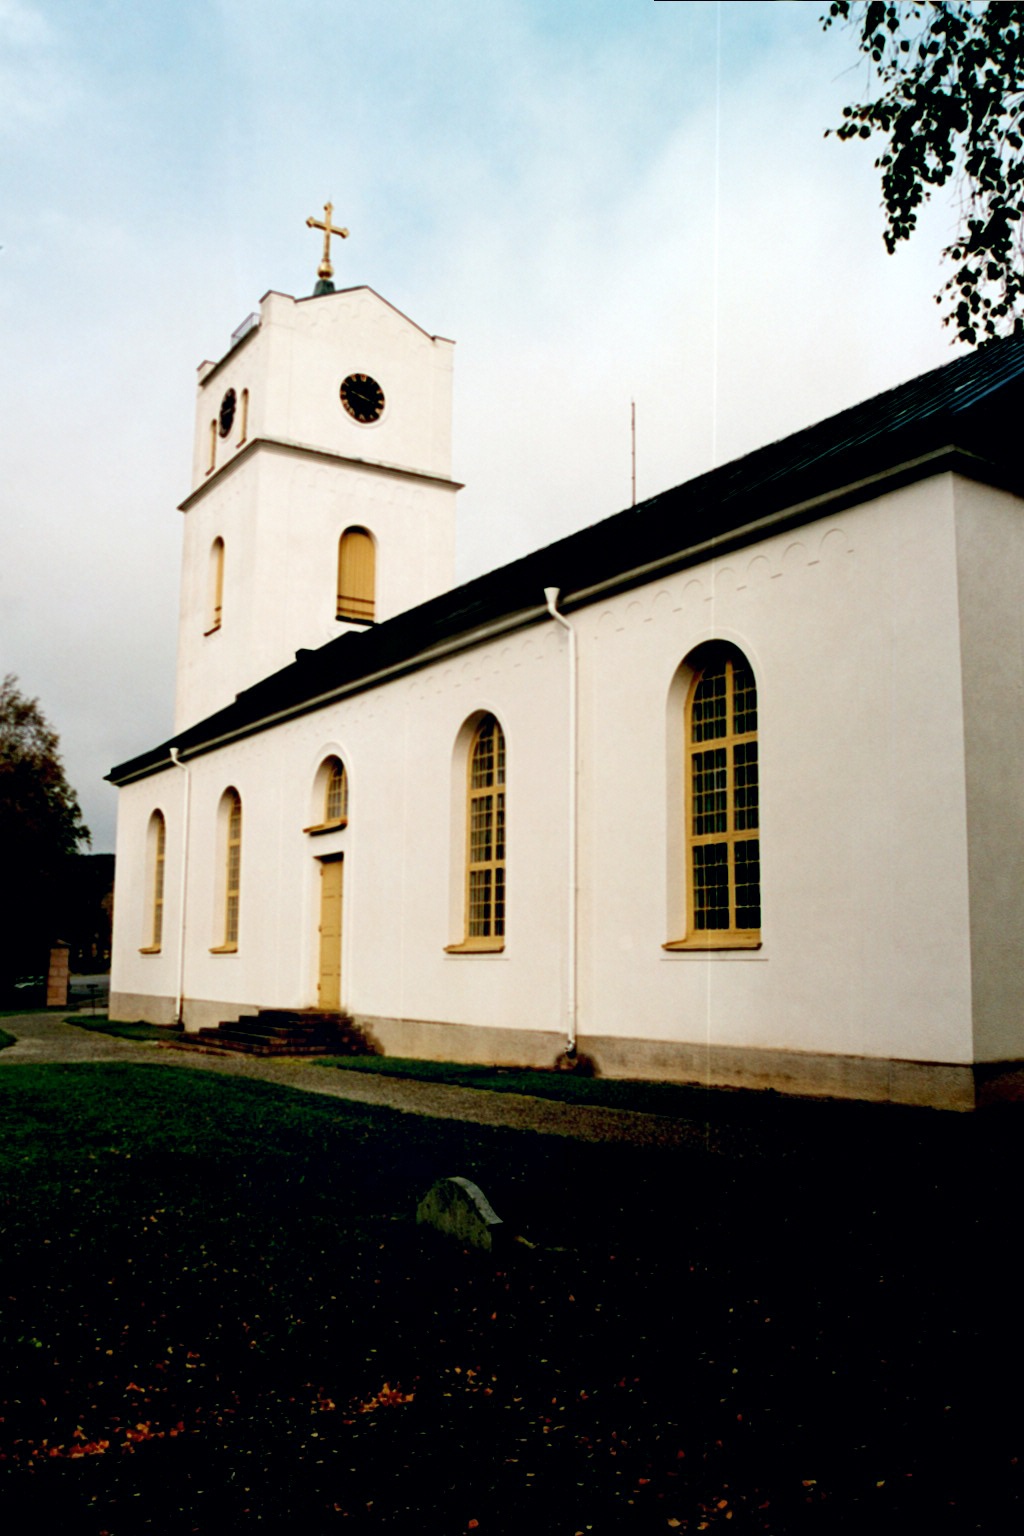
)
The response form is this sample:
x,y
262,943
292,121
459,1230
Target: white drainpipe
x,y
179,1002
551,598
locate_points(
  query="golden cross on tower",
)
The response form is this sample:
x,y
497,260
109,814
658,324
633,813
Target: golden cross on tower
x,y
325,271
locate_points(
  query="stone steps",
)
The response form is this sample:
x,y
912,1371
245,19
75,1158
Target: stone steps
x,y
287,1032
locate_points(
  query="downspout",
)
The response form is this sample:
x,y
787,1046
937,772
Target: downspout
x,y
551,599
179,1001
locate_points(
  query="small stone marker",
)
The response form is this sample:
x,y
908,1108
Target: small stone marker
x,y
460,1209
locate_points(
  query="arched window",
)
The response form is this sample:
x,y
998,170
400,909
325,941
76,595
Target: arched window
x,y
156,849
329,797
357,562
229,823
485,836
213,446
722,802
243,418
336,793
215,587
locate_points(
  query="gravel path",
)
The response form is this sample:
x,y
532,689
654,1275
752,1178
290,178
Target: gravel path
x,y
45,1038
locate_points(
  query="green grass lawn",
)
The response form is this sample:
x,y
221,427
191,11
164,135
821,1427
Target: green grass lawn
x,y
219,1316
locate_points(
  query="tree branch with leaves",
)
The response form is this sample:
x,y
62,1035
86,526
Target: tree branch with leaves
x,y
949,99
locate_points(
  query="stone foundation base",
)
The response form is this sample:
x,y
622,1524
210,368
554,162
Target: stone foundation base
x,y
199,1013
937,1085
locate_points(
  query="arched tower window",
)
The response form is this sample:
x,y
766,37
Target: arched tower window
x,y
213,446
722,802
243,418
357,572
485,835
215,587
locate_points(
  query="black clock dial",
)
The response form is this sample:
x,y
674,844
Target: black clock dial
x,y
362,397
227,412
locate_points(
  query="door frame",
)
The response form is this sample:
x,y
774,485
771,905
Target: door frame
x,y
326,860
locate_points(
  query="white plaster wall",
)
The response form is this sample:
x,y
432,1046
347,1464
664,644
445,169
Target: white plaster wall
x,y
150,976
213,667
281,517
406,817
990,548
293,366
850,625
244,369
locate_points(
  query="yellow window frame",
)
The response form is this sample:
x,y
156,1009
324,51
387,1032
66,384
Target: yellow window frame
x,y
722,806
486,830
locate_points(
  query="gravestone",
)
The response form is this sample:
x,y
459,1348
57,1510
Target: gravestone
x,y
459,1208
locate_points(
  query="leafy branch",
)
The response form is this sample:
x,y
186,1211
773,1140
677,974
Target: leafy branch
x,y
950,103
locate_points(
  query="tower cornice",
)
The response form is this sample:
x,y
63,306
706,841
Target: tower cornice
x,y
306,451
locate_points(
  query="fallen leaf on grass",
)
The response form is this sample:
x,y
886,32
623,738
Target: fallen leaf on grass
x,y
387,1397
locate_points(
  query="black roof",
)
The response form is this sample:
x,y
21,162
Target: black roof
x,y
965,416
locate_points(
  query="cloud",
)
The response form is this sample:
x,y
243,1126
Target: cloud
x,y
37,80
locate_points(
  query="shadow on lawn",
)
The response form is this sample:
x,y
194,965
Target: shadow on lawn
x,y
221,1316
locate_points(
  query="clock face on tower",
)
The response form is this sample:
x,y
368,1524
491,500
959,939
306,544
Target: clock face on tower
x,y
362,397
227,412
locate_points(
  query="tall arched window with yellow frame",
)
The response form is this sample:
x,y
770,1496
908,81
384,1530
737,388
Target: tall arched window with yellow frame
x,y
722,803
159,859
485,839
156,855
230,880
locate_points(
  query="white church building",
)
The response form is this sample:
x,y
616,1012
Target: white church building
x,y
724,789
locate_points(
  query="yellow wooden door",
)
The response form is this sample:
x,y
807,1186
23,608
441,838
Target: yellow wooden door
x,y
331,885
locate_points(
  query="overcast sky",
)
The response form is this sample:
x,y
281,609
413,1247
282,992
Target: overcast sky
x,y
594,199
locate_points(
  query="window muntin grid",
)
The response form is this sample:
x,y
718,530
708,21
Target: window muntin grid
x,y
336,792
723,801
485,854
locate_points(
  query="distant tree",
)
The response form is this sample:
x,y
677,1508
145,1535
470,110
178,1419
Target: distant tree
x,y
41,828
88,909
948,95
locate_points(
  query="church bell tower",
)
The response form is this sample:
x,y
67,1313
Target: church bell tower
x,y
322,497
